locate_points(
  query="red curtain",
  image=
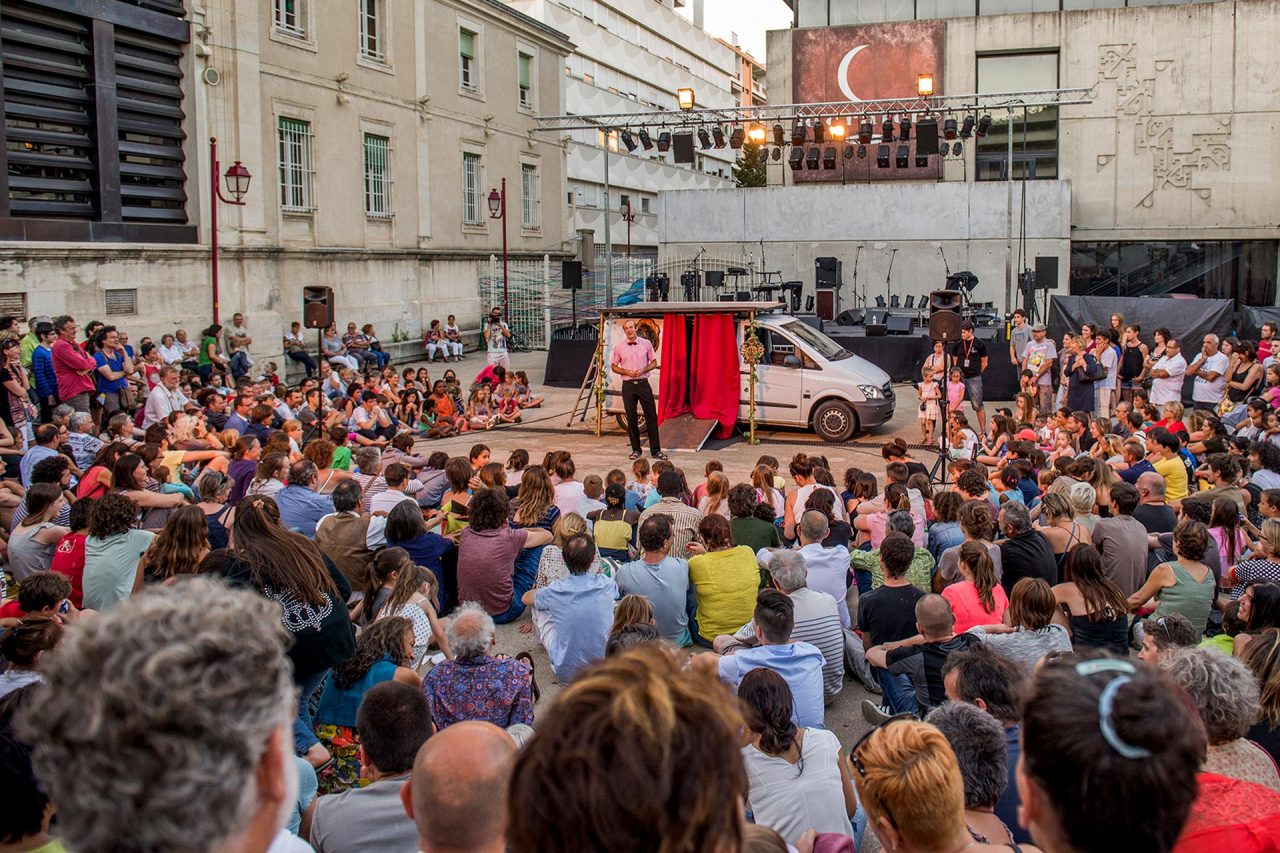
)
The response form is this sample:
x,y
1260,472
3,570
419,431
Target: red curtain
x,y
714,391
673,375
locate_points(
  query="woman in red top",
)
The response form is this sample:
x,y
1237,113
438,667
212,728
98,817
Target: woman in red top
x,y
97,480
68,556
978,599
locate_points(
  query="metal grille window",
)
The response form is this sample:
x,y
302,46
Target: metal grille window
x,y
149,104
377,176
471,189
525,62
288,16
467,59
371,30
121,302
295,165
529,196
13,304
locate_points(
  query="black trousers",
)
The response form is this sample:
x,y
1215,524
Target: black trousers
x,y
638,391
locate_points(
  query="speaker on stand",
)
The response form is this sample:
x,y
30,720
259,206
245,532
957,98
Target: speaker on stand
x,y
317,313
571,280
944,326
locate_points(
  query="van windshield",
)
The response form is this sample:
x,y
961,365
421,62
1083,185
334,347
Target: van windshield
x,y
820,343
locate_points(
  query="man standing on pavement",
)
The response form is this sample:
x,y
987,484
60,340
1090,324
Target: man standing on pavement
x,y
1167,375
496,335
1019,337
72,365
1038,357
970,355
1210,372
633,360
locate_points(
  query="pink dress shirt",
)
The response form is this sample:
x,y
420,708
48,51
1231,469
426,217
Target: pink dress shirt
x,y
633,355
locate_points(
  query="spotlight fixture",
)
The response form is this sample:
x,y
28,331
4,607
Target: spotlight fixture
x,y
819,133
717,134
966,130
837,132
886,129
777,154
704,138
756,134
957,148
829,157
984,125
629,140
904,128
797,134
882,156
902,157
864,132
922,161
645,140
848,151
796,159
664,141
862,152
735,138
945,149
779,135
811,158
949,129
924,85
684,97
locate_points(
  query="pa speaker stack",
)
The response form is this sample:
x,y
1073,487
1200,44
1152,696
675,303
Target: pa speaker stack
x,y
944,315
900,324
317,307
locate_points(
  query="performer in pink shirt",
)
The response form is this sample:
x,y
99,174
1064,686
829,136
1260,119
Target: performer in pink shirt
x,y
634,360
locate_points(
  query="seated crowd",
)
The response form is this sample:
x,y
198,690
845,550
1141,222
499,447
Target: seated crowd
x,y
293,644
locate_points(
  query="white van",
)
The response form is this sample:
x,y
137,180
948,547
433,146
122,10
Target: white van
x,y
805,379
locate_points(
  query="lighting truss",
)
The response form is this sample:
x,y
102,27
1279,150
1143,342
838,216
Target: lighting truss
x,y
789,114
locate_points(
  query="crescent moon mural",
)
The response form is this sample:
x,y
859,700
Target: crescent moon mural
x,y
842,76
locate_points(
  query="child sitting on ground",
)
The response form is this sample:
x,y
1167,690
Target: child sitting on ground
x,y
508,408
341,451
524,396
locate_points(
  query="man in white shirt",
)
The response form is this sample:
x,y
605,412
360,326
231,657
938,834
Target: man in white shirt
x,y
496,333
1167,375
238,340
165,398
1038,357
1210,371
826,568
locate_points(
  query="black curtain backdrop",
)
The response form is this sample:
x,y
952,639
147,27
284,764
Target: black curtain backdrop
x,y
1251,320
1189,319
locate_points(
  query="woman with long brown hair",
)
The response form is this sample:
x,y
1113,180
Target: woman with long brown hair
x,y
978,598
1090,604
320,451
97,479
716,499
269,476
178,548
762,479
394,586
454,502
289,569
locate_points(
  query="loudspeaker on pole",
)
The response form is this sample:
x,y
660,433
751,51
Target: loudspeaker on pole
x,y
317,307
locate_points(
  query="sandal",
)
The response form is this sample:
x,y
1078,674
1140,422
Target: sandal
x,y
634,456
533,677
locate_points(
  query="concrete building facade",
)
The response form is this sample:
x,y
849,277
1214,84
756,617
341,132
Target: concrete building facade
x,y
374,131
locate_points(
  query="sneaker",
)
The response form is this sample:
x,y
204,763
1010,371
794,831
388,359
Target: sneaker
x,y
875,714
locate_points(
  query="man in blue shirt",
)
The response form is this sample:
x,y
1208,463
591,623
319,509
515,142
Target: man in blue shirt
x,y
300,507
661,578
580,611
799,664
42,375
46,447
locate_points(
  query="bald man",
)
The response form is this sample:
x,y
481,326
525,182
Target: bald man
x,y
458,792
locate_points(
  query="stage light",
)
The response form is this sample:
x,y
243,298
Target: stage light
x,y
777,154
924,85
949,129
684,96
984,125
704,138
796,159
819,132
886,129
735,138
779,135
902,157
645,140
904,129
664,141
862,152
829,157
811,158
957,148
882,156
717,134
837,132
945,149
848,152
756,134
922,161
629,141
864,132
797,134
966,130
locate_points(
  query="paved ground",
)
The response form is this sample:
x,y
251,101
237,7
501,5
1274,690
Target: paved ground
x,y
546,429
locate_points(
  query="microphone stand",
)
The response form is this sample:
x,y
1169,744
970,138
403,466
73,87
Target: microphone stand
x,y
887,277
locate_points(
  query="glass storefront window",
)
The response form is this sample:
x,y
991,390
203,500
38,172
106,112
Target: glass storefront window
x,y
1243,270
1035,131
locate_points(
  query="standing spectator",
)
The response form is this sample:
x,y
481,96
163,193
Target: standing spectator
x,y
394,721
1167,374
299,506
1210,371
487,552
661,578
970,355
211,359
684,518
1038,357
1108,355
580,611
1024,552
114,365
1019,337
296,349
109,703
457,796
44,377
1122,541
475,685
887,615
73,368
497,334
725,578
16,408
1080,372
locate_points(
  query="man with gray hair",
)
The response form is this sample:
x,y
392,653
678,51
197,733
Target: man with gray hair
x,y
1155,515
186,693
920,572
1210,370
80,438
1024,552
475,685
300,507
817,620
978,740
827,568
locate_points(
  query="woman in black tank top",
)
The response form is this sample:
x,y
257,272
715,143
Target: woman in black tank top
x,y
1246,375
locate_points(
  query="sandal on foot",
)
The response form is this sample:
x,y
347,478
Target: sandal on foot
x,y
533,676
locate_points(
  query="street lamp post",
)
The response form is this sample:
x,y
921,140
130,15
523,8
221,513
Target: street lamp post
x,y
498,210
238,179
627,217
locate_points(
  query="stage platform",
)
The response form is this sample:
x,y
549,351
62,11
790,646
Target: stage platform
x,y
901,356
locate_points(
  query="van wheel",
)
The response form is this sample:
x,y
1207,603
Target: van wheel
x,y
834,420
640,422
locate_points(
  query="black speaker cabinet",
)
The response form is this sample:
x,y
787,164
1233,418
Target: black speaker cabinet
x,y
876,316
827,271
1046,272
849,318
945,300
944,326
571,275
877,330
715,278
900,324
317,307
926,137
682,144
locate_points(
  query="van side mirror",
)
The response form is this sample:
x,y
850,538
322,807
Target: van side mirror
x,y
792,361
